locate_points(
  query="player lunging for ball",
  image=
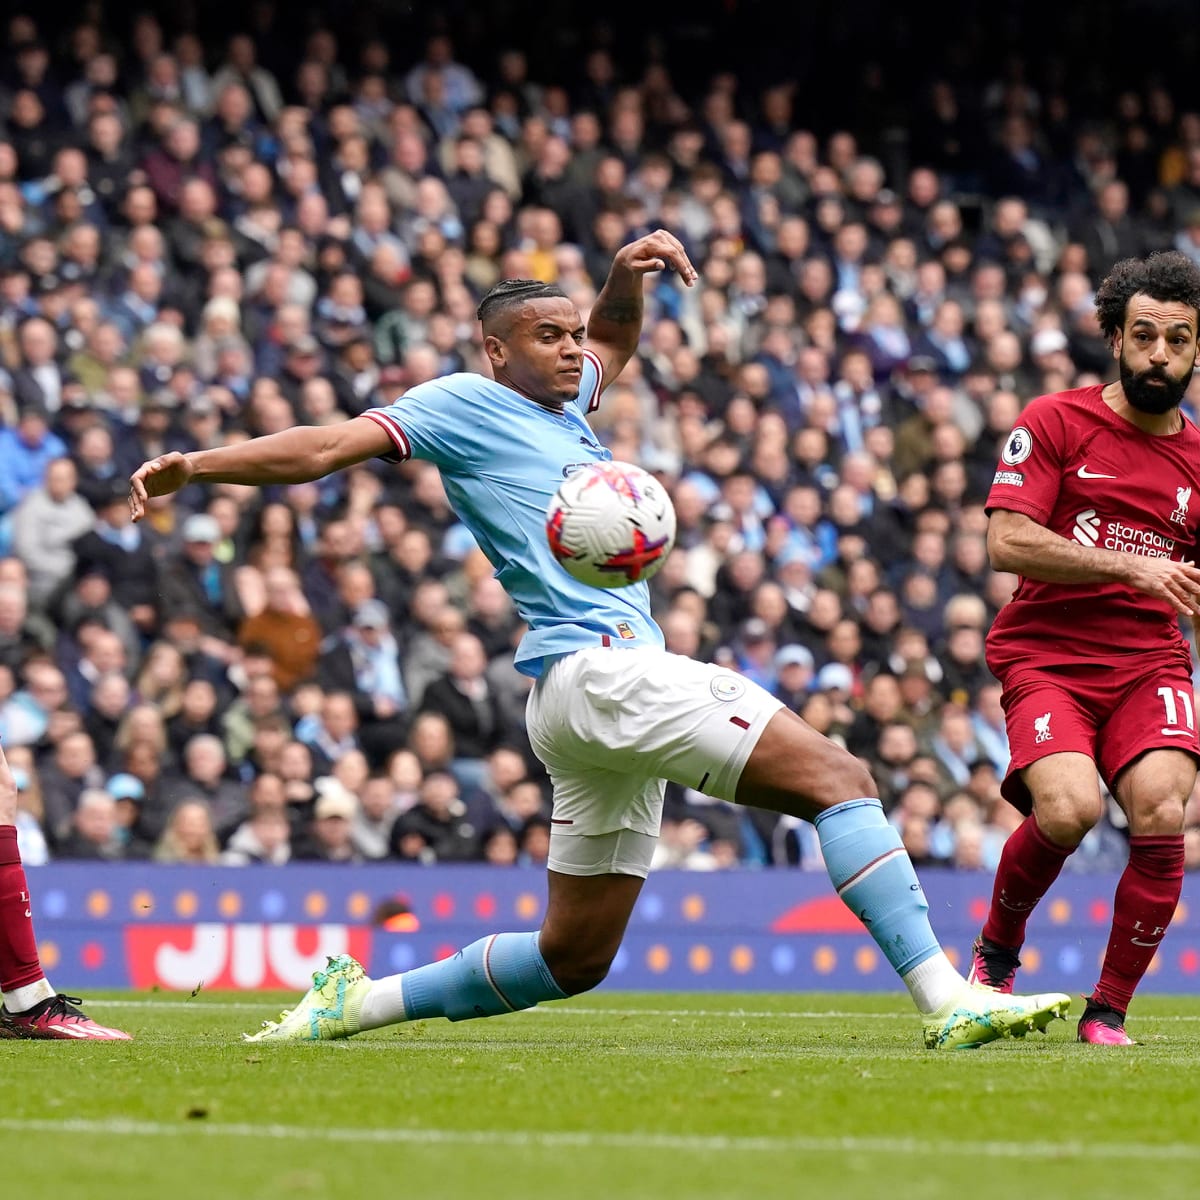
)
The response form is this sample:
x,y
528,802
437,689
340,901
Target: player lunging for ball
x,y
1096,505
612,714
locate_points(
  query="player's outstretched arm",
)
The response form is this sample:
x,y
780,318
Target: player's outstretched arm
x,y
293,456
1019,544
615,322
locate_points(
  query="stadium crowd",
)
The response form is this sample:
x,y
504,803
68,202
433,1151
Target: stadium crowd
x,y
204,242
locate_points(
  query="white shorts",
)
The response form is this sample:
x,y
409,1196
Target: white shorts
x,y
612,724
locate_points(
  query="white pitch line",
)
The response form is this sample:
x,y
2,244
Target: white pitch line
x,y
559,1010
549,1140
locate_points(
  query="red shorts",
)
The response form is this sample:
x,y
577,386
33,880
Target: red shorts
x,y
1111,714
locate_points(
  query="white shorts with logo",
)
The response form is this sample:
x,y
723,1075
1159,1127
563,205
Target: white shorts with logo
x,y
612,724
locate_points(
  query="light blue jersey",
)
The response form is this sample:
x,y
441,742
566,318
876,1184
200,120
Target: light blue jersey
x,y
502,457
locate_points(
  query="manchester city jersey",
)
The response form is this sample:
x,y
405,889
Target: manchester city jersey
x,y
502,457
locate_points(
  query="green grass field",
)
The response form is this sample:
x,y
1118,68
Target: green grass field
x,y
610,1095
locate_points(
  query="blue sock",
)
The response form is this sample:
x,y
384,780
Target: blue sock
x,y
498,974
874,876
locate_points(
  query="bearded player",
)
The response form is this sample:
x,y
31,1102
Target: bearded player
x,y
1096,506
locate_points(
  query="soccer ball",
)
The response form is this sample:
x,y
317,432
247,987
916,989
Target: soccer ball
x,y
610,524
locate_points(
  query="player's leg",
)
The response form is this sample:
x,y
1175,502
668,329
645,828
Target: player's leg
x,y
1153,791
597,865
31,1007
1052,731
793,769
1065,804
585,920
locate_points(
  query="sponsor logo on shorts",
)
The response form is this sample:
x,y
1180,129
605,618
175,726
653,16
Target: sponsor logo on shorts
x,y
1041,729
1008,479
625,630
727,687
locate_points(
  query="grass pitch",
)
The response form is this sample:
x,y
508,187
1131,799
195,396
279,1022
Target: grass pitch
x,y
609,1095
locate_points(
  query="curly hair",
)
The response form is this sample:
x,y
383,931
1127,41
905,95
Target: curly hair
x,y
510,293
1165,275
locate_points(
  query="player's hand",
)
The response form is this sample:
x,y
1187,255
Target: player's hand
x,y
159,477
657,251
1178,583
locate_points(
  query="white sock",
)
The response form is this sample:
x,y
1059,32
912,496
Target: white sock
x,y
22,999
383,1004
933,983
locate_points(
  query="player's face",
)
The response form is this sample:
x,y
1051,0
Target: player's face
x,y
542,356
1157,353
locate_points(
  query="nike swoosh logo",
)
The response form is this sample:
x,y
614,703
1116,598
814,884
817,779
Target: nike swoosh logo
x,y
1176,732
1084,473
1139,942
28,913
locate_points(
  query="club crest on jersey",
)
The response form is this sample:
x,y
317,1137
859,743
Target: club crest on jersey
x,y
1018,447
1041,729
1183,496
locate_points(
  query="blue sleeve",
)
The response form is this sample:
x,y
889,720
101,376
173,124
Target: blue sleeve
x,y
433,422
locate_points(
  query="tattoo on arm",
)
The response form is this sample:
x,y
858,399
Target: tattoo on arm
x,y
619,312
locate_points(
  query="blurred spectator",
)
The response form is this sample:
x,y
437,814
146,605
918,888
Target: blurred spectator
x,y
72,771
46,523
332,731
189,836
26,451
94,833
438,828
194,581
363,660
378,809
330,833
23,634
284,628
465,698
203,776
263,838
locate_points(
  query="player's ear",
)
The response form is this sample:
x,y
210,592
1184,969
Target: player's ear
x,y
493,347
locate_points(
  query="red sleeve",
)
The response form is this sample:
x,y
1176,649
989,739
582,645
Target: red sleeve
x,y
1029,474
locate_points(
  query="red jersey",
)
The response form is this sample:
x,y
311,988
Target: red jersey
x,y
1077,468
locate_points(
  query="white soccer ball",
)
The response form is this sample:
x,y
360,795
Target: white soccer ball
x,y
610,524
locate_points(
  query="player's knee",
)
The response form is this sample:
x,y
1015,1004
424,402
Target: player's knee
x,y
1159,816
1067,818
577,971
849,777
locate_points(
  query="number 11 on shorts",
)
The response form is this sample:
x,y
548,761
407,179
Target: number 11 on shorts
x,y
1171,710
